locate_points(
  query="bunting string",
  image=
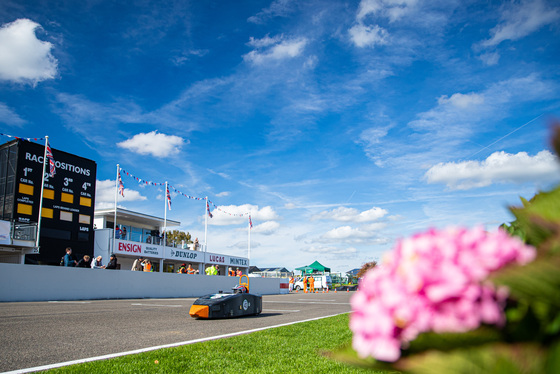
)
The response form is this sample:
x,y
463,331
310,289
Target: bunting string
x,y
19,137
150,183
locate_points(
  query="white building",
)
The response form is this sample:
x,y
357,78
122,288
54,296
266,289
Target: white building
x,y
144,239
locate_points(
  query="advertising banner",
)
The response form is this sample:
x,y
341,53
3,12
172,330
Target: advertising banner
x,y
5,228
136,249
183,255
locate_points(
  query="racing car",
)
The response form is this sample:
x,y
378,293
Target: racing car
x,y
237,303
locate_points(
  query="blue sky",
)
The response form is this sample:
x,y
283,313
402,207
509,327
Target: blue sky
x,y
340,126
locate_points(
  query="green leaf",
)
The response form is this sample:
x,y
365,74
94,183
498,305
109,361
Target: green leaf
x,y
536,281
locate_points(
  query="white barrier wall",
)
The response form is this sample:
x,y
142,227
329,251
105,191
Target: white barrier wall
x,y
42,283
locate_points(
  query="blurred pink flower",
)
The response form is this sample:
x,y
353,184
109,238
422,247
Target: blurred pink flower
x,y
432,282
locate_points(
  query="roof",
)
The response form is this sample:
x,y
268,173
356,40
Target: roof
x,y
129,215
317,266
275,269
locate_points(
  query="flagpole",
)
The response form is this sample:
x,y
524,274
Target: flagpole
x,y
115,216
42,191
206,208
249,244
165,215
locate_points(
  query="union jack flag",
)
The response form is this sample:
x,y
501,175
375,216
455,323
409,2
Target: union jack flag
x,y
168,199
250,223
208,209
121,185
52,167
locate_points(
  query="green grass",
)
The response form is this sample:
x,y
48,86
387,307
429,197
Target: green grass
x,y
289,349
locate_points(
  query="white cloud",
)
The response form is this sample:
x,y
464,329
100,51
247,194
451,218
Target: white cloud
x,y
278,8
225,215
266,228
391,9
522,19
344,214
490,58
368,36
9,117
462,101
158,145
264,42
275,50
499,167
329,250
23,57
223,194
105,194
347,234
490,103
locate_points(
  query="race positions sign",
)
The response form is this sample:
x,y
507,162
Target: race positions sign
x,y
68,197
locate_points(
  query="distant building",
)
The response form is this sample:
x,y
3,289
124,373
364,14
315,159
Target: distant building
x,y
274,272
144,238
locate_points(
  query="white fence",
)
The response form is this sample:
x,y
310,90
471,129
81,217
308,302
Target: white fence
x,y
45,283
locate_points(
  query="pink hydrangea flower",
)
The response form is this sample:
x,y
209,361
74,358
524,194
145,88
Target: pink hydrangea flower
x,y
434,281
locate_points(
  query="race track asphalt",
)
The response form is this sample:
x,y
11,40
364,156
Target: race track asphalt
x,y
43,333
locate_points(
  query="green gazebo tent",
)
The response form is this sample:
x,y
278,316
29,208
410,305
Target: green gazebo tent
x,y
306,269
320,268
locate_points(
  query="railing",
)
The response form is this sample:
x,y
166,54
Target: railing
x,y
24,231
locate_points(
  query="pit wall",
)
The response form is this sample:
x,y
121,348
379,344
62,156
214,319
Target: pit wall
x,y
45,283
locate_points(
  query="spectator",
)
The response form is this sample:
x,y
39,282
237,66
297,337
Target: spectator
x,y
123,232
112,262
238,272
147,264
85,262
97,263
137,265
211,270
182,269
291,286
217,270
190,269
69,259
196,245
117,232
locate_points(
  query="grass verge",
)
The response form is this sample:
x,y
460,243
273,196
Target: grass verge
x,y
294,348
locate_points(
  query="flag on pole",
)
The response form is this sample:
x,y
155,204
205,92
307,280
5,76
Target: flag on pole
x,y
168,199
121,185
52,167
208,209
250,223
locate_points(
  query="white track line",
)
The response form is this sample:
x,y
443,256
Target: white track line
x,y
169,306
306,302
70,302
143,350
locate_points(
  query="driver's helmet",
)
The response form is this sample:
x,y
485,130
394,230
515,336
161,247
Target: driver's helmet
x,y
239,289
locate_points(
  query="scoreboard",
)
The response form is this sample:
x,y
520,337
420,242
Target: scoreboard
x,y
68,200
